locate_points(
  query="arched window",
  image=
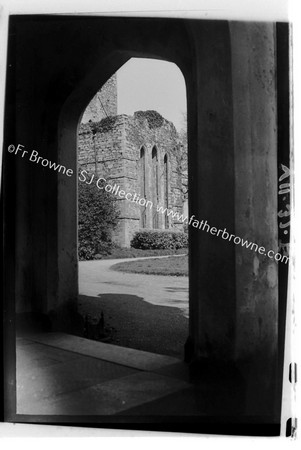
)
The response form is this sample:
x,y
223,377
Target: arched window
x,y
142,185
155,187
165,189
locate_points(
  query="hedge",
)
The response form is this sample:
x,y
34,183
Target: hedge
x,y
159,239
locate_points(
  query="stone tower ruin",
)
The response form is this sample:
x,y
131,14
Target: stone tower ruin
x,y
140,155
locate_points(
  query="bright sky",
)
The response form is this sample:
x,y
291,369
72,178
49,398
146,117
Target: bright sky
x,y
144,84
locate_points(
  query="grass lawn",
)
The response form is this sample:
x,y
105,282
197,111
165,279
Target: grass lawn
x,y
172,265
119,253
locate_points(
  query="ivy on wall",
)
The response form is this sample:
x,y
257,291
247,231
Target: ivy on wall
x,y
154,119
104,125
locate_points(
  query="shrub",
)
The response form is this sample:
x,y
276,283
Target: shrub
x,y
159,239
97,218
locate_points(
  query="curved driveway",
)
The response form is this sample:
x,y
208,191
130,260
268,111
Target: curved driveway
x,y
97,277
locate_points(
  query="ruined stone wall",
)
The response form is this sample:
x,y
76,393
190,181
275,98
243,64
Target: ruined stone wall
x,y
149,131
111,148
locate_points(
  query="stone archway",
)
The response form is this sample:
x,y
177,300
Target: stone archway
x,y
202,177
214,164
232,139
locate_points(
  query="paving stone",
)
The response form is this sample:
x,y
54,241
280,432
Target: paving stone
x,y
43,382
109,397
178,370
38,355
20,341
119,355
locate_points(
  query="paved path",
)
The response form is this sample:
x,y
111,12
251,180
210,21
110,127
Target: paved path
x,y
97,277
82,380
60,374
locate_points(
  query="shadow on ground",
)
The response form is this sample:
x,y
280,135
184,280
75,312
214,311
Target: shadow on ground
x,y
132,322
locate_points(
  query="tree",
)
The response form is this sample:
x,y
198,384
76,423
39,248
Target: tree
x,y
97,218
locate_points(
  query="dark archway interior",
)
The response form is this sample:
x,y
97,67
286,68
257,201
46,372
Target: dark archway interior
x,y
232,139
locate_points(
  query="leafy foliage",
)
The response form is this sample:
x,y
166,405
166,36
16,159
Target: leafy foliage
x,y
159,239
154,119
104,125
97,218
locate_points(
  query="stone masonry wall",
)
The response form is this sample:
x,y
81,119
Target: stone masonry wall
x,y
104,103
111,148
